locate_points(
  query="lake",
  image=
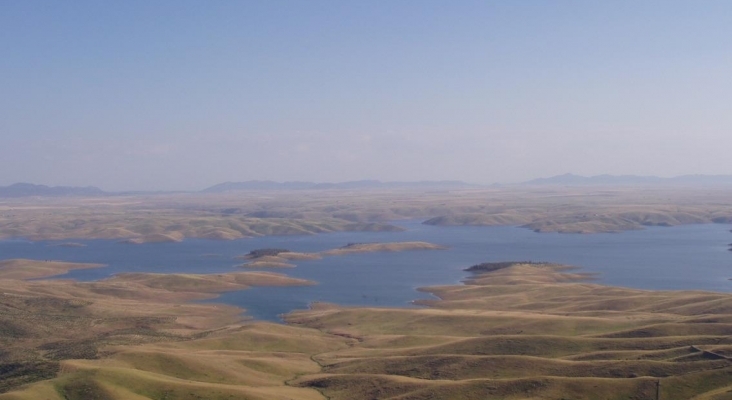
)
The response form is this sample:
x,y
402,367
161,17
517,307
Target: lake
x,y
682,257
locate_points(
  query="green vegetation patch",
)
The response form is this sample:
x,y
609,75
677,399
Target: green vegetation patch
x,y
14,374
495,266
258,253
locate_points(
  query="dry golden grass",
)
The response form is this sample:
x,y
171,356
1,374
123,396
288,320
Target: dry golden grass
x,y
523,331
269,262
382,247
293,256
530,331
20,269
172,217
165,218
78,330
170,237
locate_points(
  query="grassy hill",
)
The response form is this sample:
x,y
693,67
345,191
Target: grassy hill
x,y
513,331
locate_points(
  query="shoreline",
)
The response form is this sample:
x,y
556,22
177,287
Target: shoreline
x,y
178,237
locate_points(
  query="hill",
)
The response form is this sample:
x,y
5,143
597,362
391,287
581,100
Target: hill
x,y
514,330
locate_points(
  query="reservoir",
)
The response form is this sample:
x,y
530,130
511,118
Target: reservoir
x,y
668,258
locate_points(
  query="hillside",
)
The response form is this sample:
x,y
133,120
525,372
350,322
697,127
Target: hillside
x,y
514,331
529,331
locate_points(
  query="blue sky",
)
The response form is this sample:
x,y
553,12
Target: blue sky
x,y
185,94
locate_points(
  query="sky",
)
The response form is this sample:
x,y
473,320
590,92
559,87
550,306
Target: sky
x,y
181,95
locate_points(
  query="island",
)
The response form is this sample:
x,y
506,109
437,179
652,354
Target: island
x,y
352,248
280,258
276,258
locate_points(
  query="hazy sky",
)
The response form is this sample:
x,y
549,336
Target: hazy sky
x,y
129,95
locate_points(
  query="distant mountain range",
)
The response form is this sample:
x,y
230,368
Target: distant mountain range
x,y
29,190
632,180
365,184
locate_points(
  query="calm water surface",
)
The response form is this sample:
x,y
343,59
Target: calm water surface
x,y
684,257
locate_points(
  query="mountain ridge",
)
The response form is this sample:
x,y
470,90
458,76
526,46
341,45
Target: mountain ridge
x,y
23,189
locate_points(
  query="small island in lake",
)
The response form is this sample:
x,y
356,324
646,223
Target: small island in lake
x,y
495,266
280,258
383,247
275,258
69,244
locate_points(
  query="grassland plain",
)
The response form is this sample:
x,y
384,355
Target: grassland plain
x,y
513,331
173,217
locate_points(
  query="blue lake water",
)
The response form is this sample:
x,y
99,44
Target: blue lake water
x,y
683,257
